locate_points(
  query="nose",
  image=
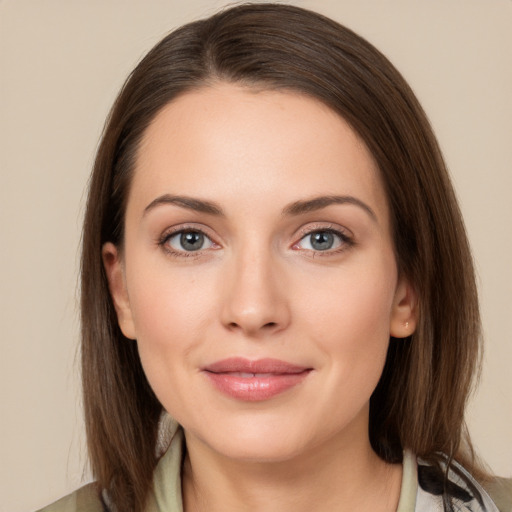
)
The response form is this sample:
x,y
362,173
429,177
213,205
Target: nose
x,y
254,301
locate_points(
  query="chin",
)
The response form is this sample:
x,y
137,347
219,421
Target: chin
x,y
261,451
258,442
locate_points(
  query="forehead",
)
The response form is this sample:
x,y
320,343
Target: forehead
x,y
227,140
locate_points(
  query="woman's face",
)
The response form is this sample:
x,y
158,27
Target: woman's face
x,y
258,274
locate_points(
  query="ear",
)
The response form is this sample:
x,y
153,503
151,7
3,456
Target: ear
x,y
404,315
113,264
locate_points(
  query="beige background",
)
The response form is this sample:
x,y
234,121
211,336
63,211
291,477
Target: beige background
x,y
62,62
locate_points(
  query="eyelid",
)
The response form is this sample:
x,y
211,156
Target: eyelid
x,y
178,237
345,236
322,226
170,232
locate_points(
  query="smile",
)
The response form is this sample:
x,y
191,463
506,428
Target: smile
x,y
254,381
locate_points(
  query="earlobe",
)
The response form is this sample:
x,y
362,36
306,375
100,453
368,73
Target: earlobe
x,y
113,265
404,316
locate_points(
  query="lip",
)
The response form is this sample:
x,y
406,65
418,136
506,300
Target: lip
x,y
254,380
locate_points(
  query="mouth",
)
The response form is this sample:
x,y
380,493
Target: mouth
x,y
253,381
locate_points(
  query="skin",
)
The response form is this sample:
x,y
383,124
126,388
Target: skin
x,y
259,289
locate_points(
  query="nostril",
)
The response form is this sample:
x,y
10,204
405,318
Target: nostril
x,y
269,325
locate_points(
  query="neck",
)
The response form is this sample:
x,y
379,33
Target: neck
x,y
335,476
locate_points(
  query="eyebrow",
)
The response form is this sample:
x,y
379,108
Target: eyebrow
x,y
190,203
317,203
294,209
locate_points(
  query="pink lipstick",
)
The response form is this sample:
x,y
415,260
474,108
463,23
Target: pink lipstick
x,y
254,381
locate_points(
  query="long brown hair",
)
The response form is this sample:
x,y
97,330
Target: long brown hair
x,y
420,400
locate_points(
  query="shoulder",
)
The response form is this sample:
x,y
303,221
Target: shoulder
x,y
85,499
463,491
500,490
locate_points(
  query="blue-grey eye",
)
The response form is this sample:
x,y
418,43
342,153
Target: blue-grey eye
x,y
321,240
189,241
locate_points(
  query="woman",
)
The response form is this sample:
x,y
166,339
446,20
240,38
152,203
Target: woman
x,y
273,255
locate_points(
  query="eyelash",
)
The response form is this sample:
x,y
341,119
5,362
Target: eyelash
x,y
345,241
168,235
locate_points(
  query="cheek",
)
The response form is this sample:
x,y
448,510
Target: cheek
x,y
171,312
352,334
350,321
166,304
353,301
